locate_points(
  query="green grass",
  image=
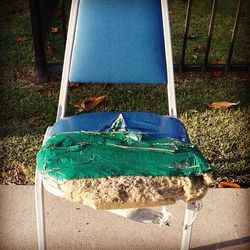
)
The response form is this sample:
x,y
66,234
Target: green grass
x,y
15,22
221,135
200,19
27,109
199,22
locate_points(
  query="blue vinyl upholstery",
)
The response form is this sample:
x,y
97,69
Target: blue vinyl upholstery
x,y
149,123
119,41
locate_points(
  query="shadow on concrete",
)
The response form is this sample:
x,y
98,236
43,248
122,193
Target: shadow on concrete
x,y
224,244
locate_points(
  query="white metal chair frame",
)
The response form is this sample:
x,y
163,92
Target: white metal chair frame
x,y
191,208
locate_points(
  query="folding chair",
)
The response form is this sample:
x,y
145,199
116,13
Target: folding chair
x,y
115,41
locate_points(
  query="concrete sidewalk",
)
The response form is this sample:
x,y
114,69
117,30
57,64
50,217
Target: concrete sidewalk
x,y
223,223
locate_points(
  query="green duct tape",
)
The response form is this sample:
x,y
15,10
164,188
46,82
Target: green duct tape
x,y
96,155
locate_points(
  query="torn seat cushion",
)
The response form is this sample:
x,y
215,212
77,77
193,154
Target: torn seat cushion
x,y
152,124
117,167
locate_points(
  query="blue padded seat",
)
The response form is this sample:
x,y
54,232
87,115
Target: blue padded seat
x,y
119,41
149,123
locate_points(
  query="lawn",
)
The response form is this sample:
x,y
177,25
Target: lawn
x,y
27,108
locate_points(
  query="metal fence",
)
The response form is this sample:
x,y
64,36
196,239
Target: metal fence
x,y
42,15
205,66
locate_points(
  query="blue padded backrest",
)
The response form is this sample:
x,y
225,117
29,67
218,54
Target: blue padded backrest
x,y
119,41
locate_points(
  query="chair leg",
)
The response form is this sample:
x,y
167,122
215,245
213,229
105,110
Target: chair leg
x,y
192,209
39,203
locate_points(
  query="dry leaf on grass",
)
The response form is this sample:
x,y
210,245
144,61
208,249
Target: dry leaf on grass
x,y
220,62
225,184
54,29
89,103
197,47
216,73
222,105
21,39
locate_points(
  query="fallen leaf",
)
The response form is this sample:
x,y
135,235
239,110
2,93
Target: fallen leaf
x,y
54,29
220,62
89,103
21,39
216,73
222,105
197,47
225,184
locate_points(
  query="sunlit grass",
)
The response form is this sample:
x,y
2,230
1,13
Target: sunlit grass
x,y
27,108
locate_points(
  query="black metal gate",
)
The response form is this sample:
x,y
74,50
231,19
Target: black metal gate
x,y
42,16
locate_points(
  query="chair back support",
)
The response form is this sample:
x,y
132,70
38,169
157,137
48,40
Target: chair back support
x,y
118,41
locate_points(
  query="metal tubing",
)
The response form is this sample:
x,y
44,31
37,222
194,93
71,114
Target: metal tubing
x,y
67,59
39,204
184,46
169,59
188,225
233,38
210,34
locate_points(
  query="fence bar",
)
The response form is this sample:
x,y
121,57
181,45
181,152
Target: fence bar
x,y
53,67
184,46
233,38
37,9
210,67
37,21
210,34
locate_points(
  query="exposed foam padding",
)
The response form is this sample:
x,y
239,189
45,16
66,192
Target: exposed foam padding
x,y
135,191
